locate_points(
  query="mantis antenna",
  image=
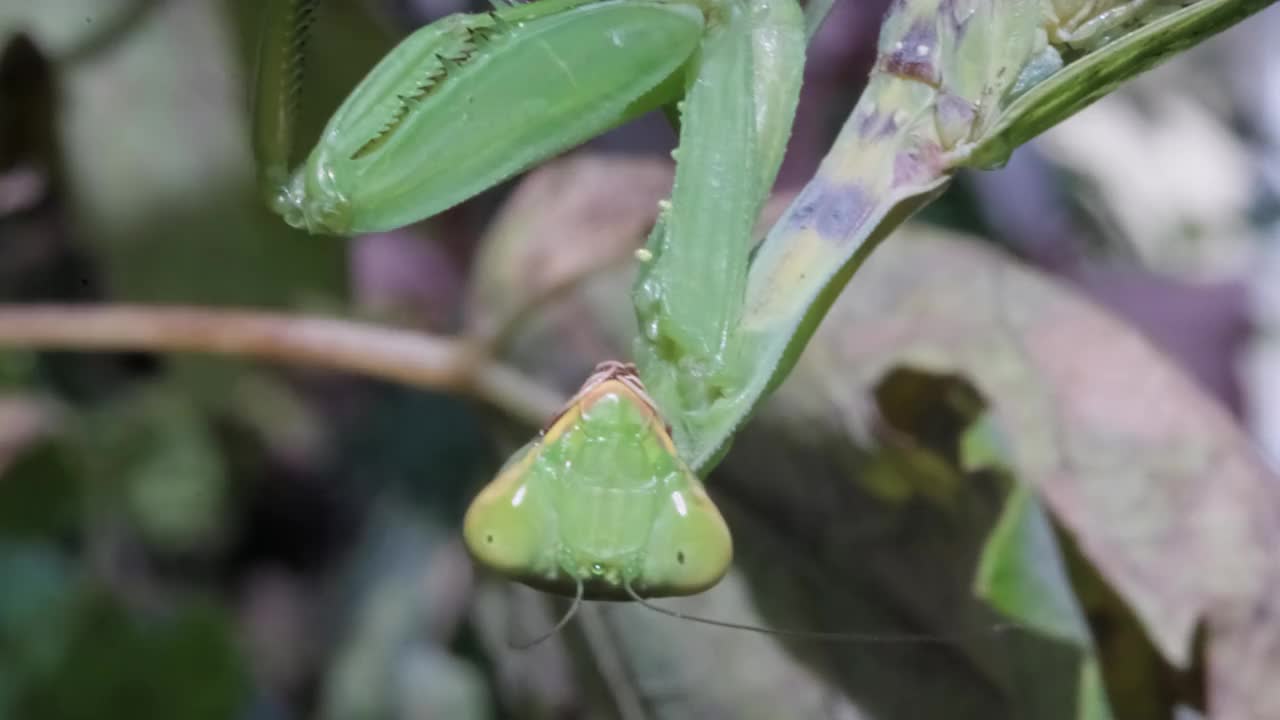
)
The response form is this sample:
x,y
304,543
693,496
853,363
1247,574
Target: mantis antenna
x,y
832,636
564,620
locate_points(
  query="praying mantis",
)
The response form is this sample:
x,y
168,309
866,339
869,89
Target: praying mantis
x,y
388,158
600,505
606,502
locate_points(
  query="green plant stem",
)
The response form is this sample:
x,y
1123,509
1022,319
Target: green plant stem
x,y
412,358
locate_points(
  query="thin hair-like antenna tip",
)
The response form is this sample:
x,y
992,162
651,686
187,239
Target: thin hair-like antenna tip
x,y
832,636
564,620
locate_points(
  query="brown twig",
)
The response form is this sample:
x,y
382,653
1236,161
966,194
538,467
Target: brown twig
x,y
399,355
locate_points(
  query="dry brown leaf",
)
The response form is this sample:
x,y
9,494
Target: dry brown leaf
x,y
1157,483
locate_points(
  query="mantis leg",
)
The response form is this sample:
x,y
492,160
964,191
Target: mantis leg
x,y
461,104
690,294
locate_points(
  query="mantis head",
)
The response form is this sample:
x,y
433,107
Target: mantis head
x,y
601,500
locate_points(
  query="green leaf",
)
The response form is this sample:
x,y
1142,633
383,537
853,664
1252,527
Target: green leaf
x,y
1022,573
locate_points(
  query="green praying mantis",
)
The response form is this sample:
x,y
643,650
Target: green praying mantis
x,y
391,155
600,505
606,502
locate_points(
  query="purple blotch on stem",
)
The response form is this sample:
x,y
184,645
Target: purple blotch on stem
x,y
915,56
835,211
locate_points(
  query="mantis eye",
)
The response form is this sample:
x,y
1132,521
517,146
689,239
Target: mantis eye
x,y
690,549
505,527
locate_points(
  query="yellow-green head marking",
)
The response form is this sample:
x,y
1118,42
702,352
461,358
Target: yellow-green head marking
x,y
601,498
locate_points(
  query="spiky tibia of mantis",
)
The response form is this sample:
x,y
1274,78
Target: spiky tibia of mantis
x,y
461,104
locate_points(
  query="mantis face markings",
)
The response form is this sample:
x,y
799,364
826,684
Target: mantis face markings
x,y
600,500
